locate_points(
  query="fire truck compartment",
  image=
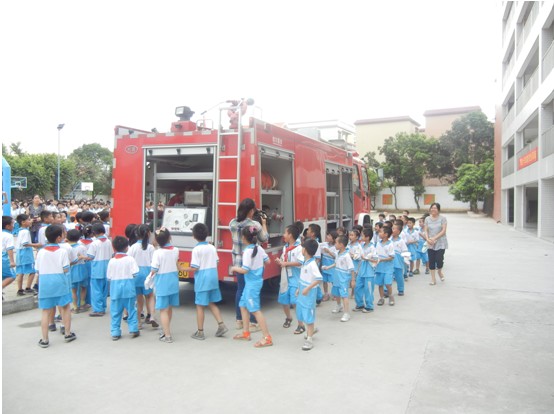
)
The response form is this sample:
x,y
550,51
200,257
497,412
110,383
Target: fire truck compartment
x,y
340,203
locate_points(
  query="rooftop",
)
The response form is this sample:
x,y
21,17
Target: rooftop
x,y
386,120
451,111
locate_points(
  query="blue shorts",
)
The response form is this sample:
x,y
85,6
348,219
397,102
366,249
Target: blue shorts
x,y
327,276
339,291
207,297
8,273
383,279
288,297
305,314
250,300
25,269
164,302
142,291
49,303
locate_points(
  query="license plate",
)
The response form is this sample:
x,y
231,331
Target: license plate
x,y
183,275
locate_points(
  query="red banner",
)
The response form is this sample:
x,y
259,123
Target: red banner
x,y
527,159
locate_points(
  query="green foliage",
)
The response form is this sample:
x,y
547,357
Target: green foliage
x,y
474,183
94,164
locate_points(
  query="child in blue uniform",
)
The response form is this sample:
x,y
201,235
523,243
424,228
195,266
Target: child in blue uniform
x,y
355,250
46,219
166,280
52,265
8,262
344,277
206,284
121,272
25,257
421,255
385,266
142,251
86,241
77,271
290,262
254,259
313,231
398,262
365,281
328,255
99,253
307,290
412,240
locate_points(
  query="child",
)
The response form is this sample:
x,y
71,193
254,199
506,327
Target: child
x,y
46,219
307,295
290,262
344,277
25,255
120,272
104,217
385,266
54,285
376,232
398,262
355,251
421,255
166,279
313,231
254,259
328,255
86,241
77,271
99,253
142,251
412,240
365,281
206,285
8,262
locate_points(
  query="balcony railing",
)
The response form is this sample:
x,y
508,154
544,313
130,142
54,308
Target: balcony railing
x,y
527,26
528,90
548,61
508,167
532,145
547,144
508,70
509,118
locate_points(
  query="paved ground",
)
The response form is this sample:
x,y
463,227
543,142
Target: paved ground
x,y
481,342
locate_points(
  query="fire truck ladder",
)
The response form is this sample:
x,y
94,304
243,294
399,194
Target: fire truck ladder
x,y
232,178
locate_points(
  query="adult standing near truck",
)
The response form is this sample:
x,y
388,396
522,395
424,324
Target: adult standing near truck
x,y
245,212
35,209
435,234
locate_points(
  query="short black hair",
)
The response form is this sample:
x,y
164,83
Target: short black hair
x,y
53,231
98,228
311,247
73,235
200,232
411,220
342,240
367,232
87,216
293,230
104,215
120,243
21,218
44,214
6,221
387,230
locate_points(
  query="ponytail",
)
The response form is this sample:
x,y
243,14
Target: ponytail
x,y
250,233
143,233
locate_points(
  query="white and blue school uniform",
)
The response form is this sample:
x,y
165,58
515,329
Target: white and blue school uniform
x,y
86,271
305,305
143,257
41,237
206,282
342,275
412,236
78,266
7,245
384,270
254,277
121,272
100,251
355,250
398,262
375,239
166,281
24,255
317,257
291,254
420,254
365,281
52,265
327,260
106,229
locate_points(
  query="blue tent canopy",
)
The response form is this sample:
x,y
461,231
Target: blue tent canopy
x,y
6,186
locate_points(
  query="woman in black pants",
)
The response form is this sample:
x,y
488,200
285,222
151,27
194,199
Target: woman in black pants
x,y
435,233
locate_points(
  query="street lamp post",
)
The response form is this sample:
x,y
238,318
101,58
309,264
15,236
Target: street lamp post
x,y
60,126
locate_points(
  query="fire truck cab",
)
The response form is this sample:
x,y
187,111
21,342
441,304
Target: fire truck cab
x,y
200,175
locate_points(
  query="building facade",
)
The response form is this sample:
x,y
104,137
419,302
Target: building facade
x,y
438,121
526,146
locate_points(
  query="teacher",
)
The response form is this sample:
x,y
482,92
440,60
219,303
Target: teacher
x,y
435,234
245,212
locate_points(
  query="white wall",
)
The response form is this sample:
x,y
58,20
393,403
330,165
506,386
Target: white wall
x,y
405,200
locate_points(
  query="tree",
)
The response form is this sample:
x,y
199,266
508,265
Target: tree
x,y
407,160
94,164
375,183
474,183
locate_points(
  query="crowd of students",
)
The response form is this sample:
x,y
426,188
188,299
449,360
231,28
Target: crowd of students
x,y
77,268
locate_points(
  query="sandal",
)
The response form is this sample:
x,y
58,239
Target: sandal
x,y
262,343
245,336
442,278
287,323
381,302
299,330
433,283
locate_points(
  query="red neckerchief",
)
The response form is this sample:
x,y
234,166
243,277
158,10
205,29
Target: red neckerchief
x,y
52,247
120,255
287,251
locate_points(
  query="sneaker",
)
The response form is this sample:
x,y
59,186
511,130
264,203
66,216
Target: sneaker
x,y
154,323
86,307
76,310
254,327
345,317
367,310
221,330
58,318
386,295
20,292
116,338
391,302
326,297
198,335
96,314
338,309
410,274
307,345
124,318
30,291
135,334
71,337
381,302
52,327
43,344
400,293
416,272
358,309
62,330
147,319
166,339
306,334
426,271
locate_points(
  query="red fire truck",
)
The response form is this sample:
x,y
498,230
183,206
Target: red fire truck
x,y
201,174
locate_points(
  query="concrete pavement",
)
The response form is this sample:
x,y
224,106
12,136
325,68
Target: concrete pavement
x,y
481,342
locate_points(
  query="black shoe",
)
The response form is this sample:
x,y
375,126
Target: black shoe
x,y
62,330
52,327
20,292
70,337
400,293
125,318
135,334
116,338
43,344
30,291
